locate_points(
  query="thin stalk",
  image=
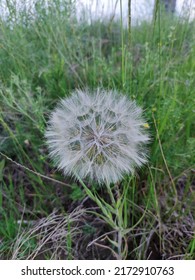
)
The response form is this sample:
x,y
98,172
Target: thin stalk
x,y
165,162
129,23
120,245
111,195
122,46
119,224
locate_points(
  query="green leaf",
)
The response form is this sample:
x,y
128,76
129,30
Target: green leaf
x,y
2,165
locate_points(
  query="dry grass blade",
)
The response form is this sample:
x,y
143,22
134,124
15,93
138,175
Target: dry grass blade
x,y
49,234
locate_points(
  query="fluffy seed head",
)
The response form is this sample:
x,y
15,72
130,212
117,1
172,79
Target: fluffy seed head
x,y
98,135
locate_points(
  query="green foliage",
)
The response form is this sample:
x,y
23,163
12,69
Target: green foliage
x,y
46,55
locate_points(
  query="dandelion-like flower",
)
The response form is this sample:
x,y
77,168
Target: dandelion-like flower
x,y
98,135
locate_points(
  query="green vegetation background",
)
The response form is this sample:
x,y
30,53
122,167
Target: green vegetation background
x,y
43,59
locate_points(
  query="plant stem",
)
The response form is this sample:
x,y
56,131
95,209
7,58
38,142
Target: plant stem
x,y
118,222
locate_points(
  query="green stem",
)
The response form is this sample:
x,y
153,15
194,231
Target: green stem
x,y
111,195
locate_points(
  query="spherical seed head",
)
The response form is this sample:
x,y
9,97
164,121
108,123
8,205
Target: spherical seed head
x,y
98,135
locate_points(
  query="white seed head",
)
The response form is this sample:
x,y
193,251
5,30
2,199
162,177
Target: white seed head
x,y
98,135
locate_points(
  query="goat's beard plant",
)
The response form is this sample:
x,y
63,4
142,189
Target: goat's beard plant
x,y
98,136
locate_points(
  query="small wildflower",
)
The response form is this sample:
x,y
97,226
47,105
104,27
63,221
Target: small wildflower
x,y
97,135
146,125
154,109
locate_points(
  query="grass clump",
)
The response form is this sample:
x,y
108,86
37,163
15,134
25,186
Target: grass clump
x,y
46,53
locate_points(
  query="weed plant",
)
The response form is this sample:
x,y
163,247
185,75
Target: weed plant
x,y
46,54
